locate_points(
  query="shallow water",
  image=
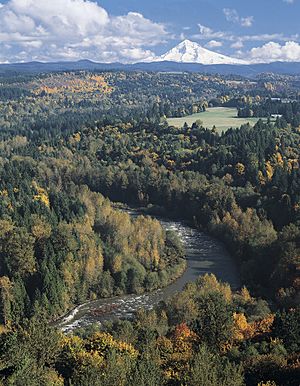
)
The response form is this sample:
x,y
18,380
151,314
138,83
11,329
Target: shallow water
x,y
204,255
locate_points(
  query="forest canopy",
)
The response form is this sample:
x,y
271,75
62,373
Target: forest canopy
x,y
71,146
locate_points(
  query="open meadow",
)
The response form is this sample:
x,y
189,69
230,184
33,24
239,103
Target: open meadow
x,y
222,117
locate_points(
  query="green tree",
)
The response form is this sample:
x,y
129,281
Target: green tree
x,y
146,372
214,321
28,354
18,252
208,369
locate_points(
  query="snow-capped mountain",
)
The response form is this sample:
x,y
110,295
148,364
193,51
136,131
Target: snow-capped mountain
x,y
191,52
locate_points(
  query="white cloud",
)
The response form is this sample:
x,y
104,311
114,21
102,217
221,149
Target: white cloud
x,y
268,37
214,44
288,50
238,44
288,1
247,21
209,33
271,52
233,17
206,31
182,36
74,29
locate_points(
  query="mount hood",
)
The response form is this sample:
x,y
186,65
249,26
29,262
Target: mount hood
x,y
191,52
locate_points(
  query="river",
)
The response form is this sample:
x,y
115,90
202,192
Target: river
x,y
204,254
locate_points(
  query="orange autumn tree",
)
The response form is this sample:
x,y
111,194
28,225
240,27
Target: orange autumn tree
x,y
177,351
244,330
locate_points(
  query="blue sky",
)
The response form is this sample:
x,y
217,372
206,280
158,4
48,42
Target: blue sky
x,y
133,30
269,16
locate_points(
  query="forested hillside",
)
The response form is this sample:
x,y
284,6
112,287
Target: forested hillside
x,y
73,144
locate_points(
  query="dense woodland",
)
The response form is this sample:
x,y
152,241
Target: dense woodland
x,y
285,110
72,142
207,335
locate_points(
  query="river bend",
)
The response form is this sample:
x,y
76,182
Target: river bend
x,y
204,254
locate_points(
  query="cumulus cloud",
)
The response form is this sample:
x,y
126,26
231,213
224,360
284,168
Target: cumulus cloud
x,y
214,44
233,17
74,29
272,52
277,47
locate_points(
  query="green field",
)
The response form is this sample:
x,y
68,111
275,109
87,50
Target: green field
x,y
222,117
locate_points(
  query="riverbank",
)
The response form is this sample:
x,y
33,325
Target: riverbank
x,y
204,254
71,314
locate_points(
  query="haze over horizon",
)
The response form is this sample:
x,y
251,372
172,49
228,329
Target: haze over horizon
x,y
129,31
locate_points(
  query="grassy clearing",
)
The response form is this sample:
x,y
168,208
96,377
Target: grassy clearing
x,y
222,117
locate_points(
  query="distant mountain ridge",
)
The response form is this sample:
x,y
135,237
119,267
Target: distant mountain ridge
x,y
288,68
191,52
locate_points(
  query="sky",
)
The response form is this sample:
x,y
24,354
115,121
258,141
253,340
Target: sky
x,y
135,30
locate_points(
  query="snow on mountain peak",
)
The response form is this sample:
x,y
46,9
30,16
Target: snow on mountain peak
x,y
192,52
